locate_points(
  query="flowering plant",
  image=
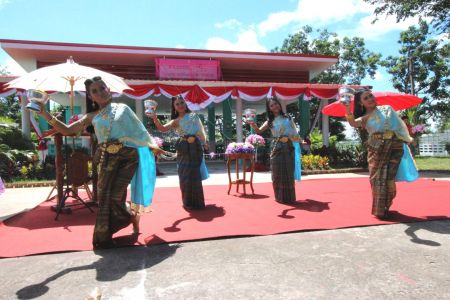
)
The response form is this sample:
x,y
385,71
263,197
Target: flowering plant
x,y
256,140
75,118
159,141
234,148
418,129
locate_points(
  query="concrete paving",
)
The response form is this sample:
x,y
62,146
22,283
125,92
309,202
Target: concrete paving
x,y
402,261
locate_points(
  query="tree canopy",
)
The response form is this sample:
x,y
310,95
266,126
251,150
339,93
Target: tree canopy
x,y
437,10
422,68
355,61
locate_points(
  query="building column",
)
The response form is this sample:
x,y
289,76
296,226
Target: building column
x,y
212,127
227,121
25,117
303,107
325,126
283,106
239,129
43,125
140,110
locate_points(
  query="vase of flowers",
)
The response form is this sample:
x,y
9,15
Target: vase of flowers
x,y
240,149
256,140
417,131
159,141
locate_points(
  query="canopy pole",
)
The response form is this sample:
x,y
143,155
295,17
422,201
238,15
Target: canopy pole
x,y
325,125
305,116
139,107
25,116
72,83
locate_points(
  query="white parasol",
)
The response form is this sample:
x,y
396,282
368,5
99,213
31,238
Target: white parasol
x,y
66,77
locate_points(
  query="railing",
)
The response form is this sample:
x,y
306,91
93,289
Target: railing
x,y
432,150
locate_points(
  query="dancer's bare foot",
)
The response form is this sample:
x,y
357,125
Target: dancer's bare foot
x,y
135,221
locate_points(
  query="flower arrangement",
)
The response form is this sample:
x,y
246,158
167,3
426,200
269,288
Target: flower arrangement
x,y
418,129
159,141
75,118
234,148
256,140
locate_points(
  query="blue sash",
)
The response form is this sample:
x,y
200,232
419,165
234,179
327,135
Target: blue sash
x,y
407,171
204,170
298,161
144,179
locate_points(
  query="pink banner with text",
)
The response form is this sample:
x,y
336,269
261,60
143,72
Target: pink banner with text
x,y
188,69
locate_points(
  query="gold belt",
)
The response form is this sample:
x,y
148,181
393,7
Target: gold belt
x,y
112,148
387,135
283,139
189,139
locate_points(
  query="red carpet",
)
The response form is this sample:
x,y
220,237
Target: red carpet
x,y
322,204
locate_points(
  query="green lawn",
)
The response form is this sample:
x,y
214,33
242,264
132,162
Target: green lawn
x,y
433,163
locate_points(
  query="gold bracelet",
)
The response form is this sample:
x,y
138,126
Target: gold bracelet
x,y
350,117
52,121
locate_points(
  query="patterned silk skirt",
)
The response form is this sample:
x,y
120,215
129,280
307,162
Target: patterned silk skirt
x,y
282,160
384,158
189,158
115,172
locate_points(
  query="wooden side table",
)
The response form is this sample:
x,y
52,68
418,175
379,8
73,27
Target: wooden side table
x,y
244,156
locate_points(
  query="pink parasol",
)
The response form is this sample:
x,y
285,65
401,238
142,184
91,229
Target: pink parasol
x,y
398,101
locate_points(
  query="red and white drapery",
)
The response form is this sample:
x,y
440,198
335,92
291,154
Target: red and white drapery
x,y
199,97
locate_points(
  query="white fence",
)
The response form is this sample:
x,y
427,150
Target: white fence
x,y
434,144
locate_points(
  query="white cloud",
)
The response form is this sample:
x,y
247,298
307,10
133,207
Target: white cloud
x,y
180,46
246,41
370,31
318,13
378,76
231,24
14,68
275,21
314,12
3,3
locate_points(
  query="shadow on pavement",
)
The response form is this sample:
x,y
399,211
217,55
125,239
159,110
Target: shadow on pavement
x,y
112,265
435,227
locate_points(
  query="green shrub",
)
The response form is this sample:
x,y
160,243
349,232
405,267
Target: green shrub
x,y
11,135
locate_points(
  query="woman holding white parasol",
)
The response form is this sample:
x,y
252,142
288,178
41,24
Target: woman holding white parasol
x,y
122,156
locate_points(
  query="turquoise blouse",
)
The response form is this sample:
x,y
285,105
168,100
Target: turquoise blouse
x,y
190,124
125,127
283,126
384,118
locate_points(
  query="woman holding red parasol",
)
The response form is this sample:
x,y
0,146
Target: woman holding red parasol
x,y
387,136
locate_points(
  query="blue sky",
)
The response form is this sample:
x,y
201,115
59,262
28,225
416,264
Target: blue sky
x,y
241,25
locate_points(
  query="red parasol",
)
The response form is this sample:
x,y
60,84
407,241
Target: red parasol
x,y
398,101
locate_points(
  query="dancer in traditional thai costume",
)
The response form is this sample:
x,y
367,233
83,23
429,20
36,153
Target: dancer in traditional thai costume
x,y
386,144
191,164
285,157
123,155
